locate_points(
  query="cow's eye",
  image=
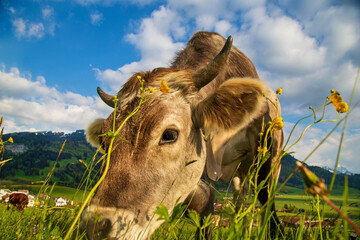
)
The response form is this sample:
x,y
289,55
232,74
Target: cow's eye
x,y
169,136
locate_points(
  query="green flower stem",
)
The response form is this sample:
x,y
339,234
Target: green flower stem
x,y
343,132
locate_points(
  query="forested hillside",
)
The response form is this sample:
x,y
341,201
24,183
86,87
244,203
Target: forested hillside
x,y
34,154
288,164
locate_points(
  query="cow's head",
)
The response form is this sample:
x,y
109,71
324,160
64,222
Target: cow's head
x,y
162,138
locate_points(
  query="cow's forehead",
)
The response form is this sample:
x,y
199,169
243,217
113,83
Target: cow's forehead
x,y
162,111
177,80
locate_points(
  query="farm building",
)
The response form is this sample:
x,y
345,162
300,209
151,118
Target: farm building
x,y
62,202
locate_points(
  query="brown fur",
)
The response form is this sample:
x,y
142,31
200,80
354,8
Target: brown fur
x,y
19,200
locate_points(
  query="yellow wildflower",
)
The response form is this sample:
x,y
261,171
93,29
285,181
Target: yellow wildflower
x,y
335,97
164,87
341,107
278,123
151,89
37,203
11,140
279,91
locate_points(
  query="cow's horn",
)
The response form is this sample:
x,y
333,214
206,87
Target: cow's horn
x,y
204,75
107,98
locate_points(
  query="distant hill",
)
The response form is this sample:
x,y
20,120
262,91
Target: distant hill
x,y
34,154
288,164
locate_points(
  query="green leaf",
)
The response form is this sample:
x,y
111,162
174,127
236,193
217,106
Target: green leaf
x,y
163,213
121,139
177,212
194,218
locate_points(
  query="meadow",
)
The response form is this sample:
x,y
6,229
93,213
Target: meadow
x,y
49,222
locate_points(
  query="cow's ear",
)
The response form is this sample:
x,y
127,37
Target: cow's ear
x,y
233,104
93,131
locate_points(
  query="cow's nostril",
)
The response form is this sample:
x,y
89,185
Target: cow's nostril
x,y
104,225
98,229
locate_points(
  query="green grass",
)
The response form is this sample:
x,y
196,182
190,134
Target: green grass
x,y
23,225
35,223
288,195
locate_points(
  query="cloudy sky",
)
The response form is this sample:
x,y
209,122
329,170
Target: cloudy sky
x,y
53,55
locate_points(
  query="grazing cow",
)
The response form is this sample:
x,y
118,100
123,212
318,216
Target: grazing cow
x,y
207,127
19,200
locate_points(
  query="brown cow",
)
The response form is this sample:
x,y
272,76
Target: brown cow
x,y
218,96
19,200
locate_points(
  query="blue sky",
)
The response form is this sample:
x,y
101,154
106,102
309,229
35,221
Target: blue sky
x,y
53,55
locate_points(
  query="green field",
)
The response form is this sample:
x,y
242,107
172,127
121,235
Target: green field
x,y
56,221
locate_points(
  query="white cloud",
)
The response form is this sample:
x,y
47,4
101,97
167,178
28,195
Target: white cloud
x,y
339,29
11,10
29,105
326,154
223,27
96,18
279,44
47,13
113,2
24,29
154,41
20,27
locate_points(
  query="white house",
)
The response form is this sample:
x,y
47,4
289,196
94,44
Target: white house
x,y
31,200
62,202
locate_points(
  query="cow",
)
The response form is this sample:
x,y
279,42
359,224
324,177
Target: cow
x,y
205,129
19,200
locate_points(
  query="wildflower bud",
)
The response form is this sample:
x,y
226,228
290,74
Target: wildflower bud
x,y
139,77
1,119
164,87
151,89
10,140
263,150
335,98
115,100
341,107
279,91
313,184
